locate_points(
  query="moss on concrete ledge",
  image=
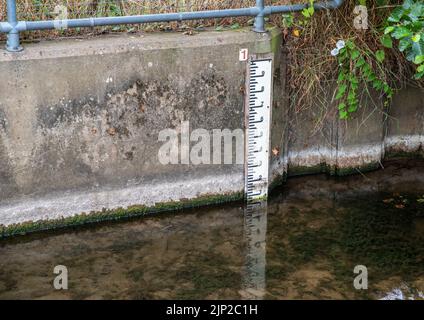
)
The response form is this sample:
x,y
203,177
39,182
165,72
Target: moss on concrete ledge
x,y
396,154
340,172
295,171
331,170
116,214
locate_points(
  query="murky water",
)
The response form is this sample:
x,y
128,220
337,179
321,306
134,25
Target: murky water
x,y
304,245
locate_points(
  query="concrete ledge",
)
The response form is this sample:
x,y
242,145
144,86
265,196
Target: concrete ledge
x,y
67,205
126,43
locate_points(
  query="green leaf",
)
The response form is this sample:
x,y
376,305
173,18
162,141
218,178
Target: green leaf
x,y
404,44
366,70
389,30
410,56
387,41
380,55
355,54
341,91
396,15
418,48
360,62
377,85
419,75
416,37
342,106
401,33
343,115
354,80
407,4
351,96
288,20
353,107
306,13
419,59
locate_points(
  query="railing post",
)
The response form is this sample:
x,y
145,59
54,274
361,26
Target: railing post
x,y
260,18
12,44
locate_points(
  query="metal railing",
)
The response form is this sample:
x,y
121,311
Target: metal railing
x,y
12,27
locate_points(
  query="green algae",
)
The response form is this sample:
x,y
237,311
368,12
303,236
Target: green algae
x,y
296,171
361,169
116,214
397,154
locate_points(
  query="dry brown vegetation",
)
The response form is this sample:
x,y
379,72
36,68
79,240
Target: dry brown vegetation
x,y
312,68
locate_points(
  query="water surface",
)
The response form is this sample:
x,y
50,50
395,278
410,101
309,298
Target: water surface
x,y
304,245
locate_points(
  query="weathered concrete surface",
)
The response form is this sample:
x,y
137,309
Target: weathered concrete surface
x,y
359,144
80,119
405,126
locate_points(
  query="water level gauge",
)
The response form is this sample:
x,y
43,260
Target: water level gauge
x,y
258,125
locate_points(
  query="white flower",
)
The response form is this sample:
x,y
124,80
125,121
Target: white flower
x,y
335,52
340,44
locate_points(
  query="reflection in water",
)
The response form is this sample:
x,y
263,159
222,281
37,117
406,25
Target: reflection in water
x,y
316,230
255,224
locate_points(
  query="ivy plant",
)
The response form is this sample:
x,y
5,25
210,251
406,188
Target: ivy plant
x,y
288,19
355,69
406,26
309,11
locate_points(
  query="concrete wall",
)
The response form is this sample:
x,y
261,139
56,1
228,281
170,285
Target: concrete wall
x,y
80,119
361,143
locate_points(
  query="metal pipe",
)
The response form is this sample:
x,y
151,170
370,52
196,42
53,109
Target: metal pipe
x,y
260,18
164,17
299,7
12,43
13,27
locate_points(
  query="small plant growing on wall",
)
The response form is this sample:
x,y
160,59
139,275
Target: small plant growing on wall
x,y
377,46
405,25
354,69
